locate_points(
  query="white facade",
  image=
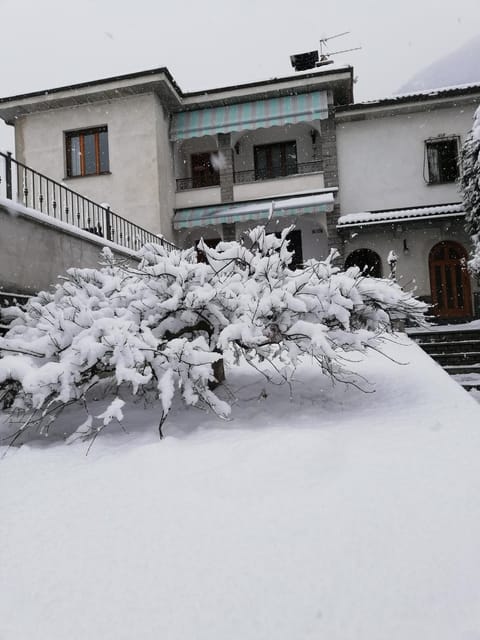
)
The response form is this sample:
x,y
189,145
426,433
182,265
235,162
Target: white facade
x,y
383,165
149,159
382,162
138,148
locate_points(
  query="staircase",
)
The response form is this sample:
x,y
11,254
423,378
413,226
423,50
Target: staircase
x,y
456,350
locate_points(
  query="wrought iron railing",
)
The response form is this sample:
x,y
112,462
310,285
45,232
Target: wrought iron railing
x,y
183,184
290,169
33,189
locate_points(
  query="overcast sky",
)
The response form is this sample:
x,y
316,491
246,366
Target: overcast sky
x,y
210,43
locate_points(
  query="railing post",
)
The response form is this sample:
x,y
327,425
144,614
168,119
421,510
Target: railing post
x,y
108,226
8,175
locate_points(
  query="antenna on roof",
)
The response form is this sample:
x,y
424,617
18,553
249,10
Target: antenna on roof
x,y
312,59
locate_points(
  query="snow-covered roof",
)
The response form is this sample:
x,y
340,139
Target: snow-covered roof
x,y
418,96
418,213
437,91
161,82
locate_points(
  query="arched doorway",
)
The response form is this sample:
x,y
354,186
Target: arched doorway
x,y
367,260
449,281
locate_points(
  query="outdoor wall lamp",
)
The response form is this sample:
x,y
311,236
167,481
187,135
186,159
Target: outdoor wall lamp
x,y
406,250
236,146
313,135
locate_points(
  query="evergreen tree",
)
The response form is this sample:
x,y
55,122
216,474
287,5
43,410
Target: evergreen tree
x,y
470,185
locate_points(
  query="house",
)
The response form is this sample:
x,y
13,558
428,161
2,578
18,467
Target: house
x,y
185,165
399,163
365,178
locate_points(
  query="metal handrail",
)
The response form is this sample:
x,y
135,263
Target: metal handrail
x,y
290,169
183,184
37,191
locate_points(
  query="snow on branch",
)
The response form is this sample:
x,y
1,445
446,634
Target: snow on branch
x,y
163,327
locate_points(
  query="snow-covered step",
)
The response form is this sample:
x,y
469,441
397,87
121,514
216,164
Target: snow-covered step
x,y
456,357
449,335
453,346
457,351
455,369
468,380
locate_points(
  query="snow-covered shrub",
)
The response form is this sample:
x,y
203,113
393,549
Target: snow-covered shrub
x,y
470,185
159,328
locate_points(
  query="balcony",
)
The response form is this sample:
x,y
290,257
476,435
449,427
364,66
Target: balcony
x,y
251,184
198,182
272,173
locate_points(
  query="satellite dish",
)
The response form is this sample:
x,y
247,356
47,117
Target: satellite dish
x,y
304,61
312,59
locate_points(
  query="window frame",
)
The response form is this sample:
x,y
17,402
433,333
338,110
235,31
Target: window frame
x,y
81,134
441,174
270,174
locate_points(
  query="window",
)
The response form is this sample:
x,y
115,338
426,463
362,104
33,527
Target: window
x,y
87,152
203,172
275,160
442,160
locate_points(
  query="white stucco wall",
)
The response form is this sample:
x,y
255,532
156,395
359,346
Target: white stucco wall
x,y
202,197
381,159
35,252
278,186
140,159
165,197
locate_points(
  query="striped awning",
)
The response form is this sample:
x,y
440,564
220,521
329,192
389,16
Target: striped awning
x,y
304,107
205,216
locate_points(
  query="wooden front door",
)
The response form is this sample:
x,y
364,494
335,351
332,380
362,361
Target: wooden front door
x,y
449,281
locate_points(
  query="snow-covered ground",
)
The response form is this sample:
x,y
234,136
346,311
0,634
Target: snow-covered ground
x,y
332,514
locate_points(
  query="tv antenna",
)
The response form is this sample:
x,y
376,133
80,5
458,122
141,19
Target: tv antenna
x,y
312,59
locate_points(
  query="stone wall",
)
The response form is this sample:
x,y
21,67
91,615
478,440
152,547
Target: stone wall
x,y
36,250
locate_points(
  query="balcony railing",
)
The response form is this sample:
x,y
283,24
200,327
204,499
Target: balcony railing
x,y
183,184
291,169
32,189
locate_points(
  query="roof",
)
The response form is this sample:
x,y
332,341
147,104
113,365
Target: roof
x,y
158,81
430,212
408,99
161,81
94,83
298,76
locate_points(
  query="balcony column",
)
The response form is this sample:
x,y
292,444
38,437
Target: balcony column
x,y
330,176
226,172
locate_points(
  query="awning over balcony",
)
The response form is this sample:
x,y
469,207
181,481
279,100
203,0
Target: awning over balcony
x,y
304,107
205,216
